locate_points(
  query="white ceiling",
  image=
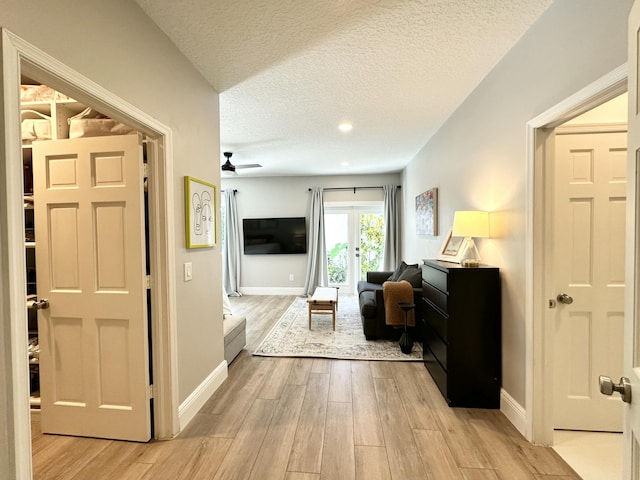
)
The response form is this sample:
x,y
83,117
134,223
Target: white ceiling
x,y
290,71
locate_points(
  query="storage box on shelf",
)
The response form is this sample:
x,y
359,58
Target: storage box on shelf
x,y
462,332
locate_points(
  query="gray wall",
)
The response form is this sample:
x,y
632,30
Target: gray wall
x,y
289,197
115,45
478,158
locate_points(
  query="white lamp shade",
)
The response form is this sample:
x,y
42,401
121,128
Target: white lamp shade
x,y
472,223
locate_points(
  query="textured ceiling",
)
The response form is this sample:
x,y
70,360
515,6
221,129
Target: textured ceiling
x,y
289,72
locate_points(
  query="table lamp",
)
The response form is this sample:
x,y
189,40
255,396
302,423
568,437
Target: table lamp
x,y
470,224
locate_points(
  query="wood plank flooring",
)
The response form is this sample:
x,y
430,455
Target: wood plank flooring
x,y
312,419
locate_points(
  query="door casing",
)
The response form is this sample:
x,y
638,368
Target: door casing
x,y
537,426
19,57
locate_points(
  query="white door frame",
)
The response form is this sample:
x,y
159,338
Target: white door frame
x,y
19,57
538,427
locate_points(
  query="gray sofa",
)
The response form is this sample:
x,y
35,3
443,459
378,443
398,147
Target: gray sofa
x,y
371,301
235,337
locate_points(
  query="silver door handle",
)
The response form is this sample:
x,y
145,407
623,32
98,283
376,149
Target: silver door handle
x,y
40,304
564,298
607,387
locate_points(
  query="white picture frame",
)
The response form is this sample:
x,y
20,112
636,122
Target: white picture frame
x,y
452,248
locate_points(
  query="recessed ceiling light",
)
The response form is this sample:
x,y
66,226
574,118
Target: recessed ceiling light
x,y
345,127
344,163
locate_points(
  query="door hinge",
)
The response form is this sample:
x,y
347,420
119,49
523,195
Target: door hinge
x,y
151,391
148,282
145,170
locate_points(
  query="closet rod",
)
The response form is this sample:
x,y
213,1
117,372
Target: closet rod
x,y
353,188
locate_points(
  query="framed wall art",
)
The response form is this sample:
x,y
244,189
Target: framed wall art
x,y
452,249
200,213
427,213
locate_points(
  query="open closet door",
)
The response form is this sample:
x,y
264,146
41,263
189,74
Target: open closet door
x,y
90,263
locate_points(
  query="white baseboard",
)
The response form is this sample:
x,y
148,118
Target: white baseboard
x,y
272,290
513,411
194,402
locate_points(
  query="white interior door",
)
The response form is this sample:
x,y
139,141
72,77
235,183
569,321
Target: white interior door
x,y
632,317
89,218
589,232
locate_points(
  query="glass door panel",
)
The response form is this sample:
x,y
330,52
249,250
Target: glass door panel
x,y
354,242
336,226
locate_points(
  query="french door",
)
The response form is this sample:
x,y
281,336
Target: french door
x,y
354,238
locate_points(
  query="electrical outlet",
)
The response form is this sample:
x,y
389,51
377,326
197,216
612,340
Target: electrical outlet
x,y
291,277
188,272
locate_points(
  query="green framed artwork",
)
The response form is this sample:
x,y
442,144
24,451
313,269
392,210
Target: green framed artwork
x,y
200,213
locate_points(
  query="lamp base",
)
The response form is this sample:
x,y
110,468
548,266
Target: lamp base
x,y
470,263
471,257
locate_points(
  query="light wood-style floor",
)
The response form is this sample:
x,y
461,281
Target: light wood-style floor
x,y
312,419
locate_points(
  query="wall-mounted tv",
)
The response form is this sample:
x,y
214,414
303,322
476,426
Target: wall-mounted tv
x,y
274,235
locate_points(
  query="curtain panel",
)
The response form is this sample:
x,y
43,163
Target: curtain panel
x,y
316,262
232,245
391,255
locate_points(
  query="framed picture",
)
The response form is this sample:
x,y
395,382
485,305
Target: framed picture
x,y
452,248
200,213
427,213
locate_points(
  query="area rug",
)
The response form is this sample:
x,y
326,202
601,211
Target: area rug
x,y
291,337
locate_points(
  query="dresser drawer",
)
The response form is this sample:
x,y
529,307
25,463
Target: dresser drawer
x,y
435,320
438,374
435,296
435,277
436,345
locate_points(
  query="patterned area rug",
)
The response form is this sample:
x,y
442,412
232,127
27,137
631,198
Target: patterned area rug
x,y
291,337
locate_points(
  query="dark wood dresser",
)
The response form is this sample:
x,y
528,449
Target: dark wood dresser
x,y
461,315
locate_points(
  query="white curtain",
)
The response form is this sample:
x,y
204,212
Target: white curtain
x,y
232,245
391,256
316,251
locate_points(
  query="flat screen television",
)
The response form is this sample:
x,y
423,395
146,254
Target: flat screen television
x,y
274,235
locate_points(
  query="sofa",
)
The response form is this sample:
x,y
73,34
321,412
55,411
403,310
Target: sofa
x,y
235,337
234,330
371,300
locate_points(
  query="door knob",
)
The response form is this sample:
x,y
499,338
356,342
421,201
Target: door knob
x,y
40,304
607,387
564,298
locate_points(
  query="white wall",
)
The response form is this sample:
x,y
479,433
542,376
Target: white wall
x,y
114,44
478,158
289,197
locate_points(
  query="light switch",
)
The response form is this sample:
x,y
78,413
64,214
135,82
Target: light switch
x,y
188,272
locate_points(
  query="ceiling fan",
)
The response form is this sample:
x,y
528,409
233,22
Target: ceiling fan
x,y
230,167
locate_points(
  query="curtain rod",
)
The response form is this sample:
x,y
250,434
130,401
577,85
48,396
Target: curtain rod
x,y
354,188
234,190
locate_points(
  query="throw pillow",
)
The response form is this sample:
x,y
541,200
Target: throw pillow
x,y
395,276
413,275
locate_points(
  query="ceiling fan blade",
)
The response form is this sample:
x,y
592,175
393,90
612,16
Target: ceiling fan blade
x,y
249,165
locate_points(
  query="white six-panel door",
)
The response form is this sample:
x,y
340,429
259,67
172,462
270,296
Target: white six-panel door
x,y
632,317
89,219
589,233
